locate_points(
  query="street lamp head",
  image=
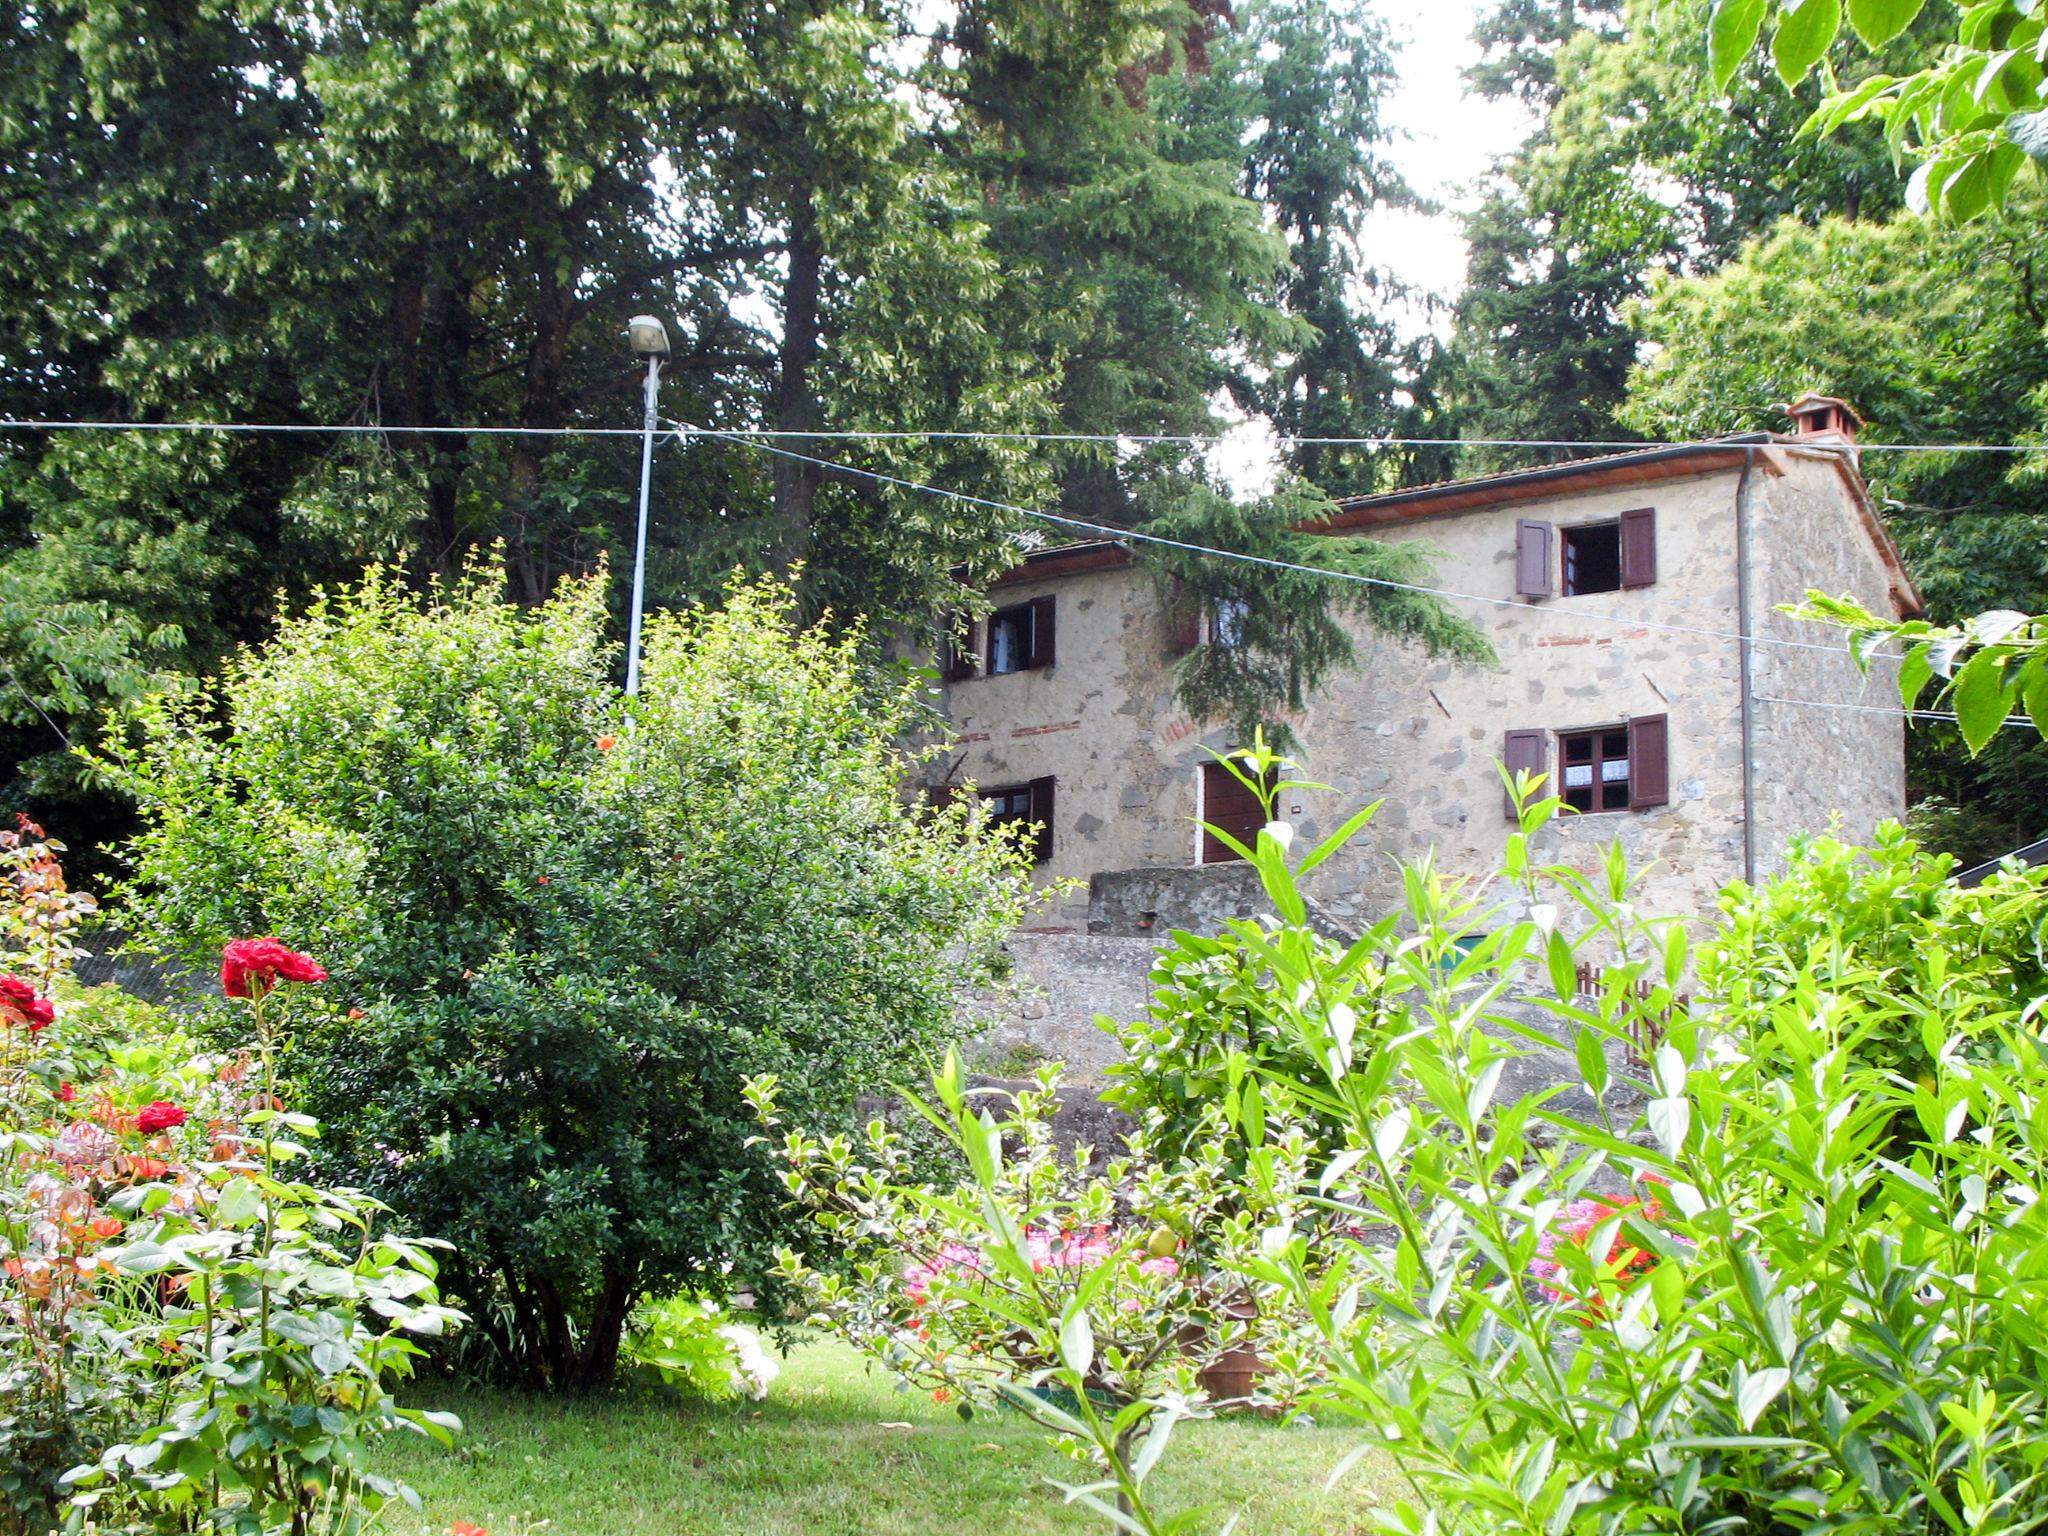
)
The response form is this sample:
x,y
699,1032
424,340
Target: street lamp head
x,y
647,336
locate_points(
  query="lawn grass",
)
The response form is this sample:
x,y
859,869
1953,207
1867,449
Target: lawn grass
x,y
816,1460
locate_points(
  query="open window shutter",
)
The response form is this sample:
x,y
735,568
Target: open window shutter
x,y
958,661
1649,762
1524,752
1041,633
1532,559
939,797
1041,812
1639,547
1184,618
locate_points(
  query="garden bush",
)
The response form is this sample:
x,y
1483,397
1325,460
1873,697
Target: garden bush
x,y
563,925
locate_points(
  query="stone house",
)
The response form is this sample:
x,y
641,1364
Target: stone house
x,y
1617,592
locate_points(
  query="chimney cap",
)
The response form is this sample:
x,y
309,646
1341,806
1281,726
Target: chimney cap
x,y
1816,414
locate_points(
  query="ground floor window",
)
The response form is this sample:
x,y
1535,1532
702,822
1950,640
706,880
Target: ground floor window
x,y
1593,768
1025,805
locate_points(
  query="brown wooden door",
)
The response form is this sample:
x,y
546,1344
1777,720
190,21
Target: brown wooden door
x,y
1228,804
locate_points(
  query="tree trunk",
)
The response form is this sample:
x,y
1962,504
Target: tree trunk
x,y
796,409
599,1362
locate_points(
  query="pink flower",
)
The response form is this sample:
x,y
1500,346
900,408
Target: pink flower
x,y
1165,1268
251,967
1576,1225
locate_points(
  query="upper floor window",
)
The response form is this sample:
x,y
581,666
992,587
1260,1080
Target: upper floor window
x,y
1591,557
1014,639
1227,621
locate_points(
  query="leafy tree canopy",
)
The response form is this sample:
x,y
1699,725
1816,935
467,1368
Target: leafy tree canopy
x,y
1089,216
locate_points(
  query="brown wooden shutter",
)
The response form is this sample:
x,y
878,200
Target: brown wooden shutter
x,y
1523,752
1639,547
1041,812
1041,633
1649,762
939,797
958,663
1532,559
1183,618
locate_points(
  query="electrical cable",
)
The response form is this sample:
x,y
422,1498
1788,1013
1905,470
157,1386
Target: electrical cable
x,y
1127,535
1213,439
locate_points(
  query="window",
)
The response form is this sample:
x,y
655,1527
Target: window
x,y
1609,768
1025,805
1020,638
1226,624
1592,559
1593,770
1596,557
1227,806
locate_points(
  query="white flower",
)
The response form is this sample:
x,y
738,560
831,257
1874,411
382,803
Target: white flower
x,y
752,1368
1282,832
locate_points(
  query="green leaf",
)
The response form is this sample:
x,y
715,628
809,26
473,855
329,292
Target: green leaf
x,y
1915,672
1337,839
1877,22
1591,1051
1077,1340
1756,1392
1981,698
1804,33
1731,34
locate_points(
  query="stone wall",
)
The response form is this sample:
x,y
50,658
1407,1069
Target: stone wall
x,y
1046,1009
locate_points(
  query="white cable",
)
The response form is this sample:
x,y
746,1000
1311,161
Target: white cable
x,y
1882,709
934,435
16,423
1131,536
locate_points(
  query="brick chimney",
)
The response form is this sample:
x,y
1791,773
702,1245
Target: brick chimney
x,y
1824,418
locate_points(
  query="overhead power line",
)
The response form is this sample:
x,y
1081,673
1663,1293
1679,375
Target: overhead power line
x,y
1882,709
1127,535
919,434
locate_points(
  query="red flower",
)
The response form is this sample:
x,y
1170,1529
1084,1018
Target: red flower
x,y
464,1528
251,967
66,1093
355,1013
542,879
606,743
158,1115
19,998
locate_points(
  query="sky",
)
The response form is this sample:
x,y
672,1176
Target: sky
x,y
1449,139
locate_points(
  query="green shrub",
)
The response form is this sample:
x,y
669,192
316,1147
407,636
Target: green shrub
x,y
1888,927
1800,1291
1210,1019
564,925
692,1343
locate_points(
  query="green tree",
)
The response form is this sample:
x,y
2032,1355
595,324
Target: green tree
x,y
1937,336
562,926
1972,120
1633,173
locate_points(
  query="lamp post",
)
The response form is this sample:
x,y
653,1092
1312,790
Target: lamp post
x,y
651,342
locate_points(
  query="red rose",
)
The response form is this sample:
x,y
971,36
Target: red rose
x,y
66,1093
158,1115
19,998
251,967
